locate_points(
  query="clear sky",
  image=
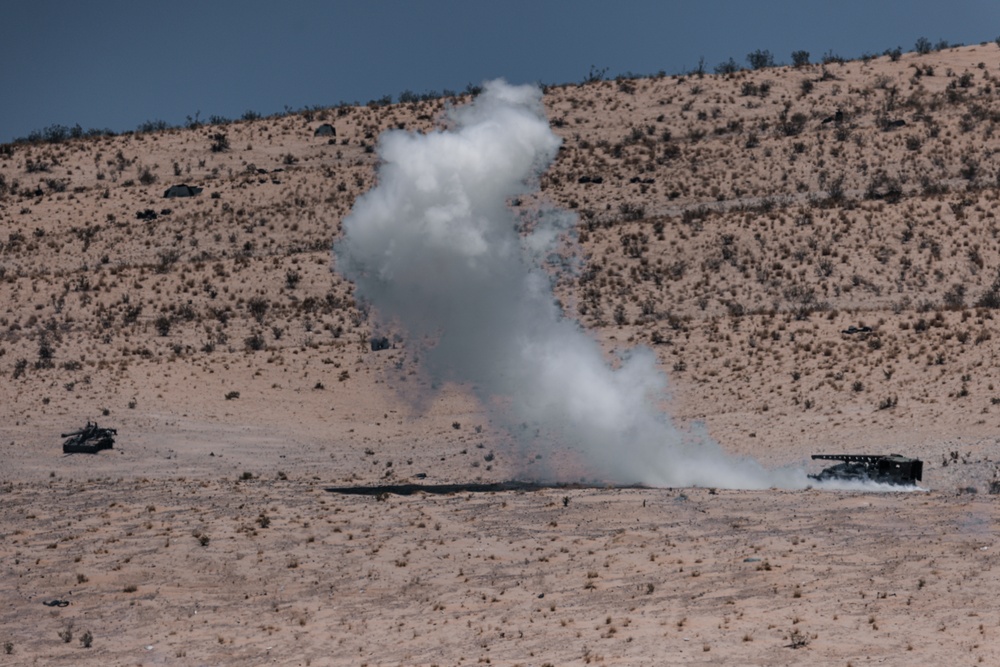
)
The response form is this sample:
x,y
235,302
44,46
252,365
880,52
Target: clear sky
x,y
116,64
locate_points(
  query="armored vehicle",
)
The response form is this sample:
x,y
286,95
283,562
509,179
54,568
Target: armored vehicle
x,y
891,469
89,440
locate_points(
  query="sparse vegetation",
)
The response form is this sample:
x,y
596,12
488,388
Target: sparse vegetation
x,y
220,142
760,59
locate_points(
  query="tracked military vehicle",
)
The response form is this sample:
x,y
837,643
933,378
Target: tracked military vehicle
x,y
89,440
892,469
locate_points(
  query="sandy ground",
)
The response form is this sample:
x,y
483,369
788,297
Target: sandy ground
x,y
278,570
209,535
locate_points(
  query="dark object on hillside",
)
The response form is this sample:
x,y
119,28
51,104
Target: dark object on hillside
x,y
856,330
893,469
644,181
590,179
148,214
325,130
890,124
89,440
835,118
182,190
380,344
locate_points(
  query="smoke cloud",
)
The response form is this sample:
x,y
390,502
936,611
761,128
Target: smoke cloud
x,y
439,252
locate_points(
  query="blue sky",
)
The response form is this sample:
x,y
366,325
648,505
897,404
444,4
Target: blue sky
x,y
116,64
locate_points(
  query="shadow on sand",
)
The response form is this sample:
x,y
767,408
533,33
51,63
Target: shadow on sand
x,y
445,489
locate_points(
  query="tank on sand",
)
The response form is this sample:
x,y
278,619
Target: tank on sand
x,y
891,469
89,440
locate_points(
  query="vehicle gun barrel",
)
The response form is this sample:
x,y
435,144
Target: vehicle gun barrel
x,y
853,458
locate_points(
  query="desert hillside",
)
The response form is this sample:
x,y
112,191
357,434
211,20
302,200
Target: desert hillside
x,y
739,225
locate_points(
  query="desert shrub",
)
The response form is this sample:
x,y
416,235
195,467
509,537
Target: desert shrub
x,y
883,186
631,211
792,126
760,59
56,184
146,176
593,76
53,134
727,67
46,352
922,46
751,89
800,58
163,323
33,167
220,143
132,313
257,307
167,258
798,639
152,126
255,342
991,297
954,298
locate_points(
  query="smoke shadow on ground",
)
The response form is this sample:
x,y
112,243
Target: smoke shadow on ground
x,y
488,487
516,485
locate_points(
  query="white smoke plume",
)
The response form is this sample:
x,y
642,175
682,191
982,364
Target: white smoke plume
x,y
438,251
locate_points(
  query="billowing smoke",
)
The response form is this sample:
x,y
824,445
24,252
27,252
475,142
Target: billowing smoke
x,y
439,252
